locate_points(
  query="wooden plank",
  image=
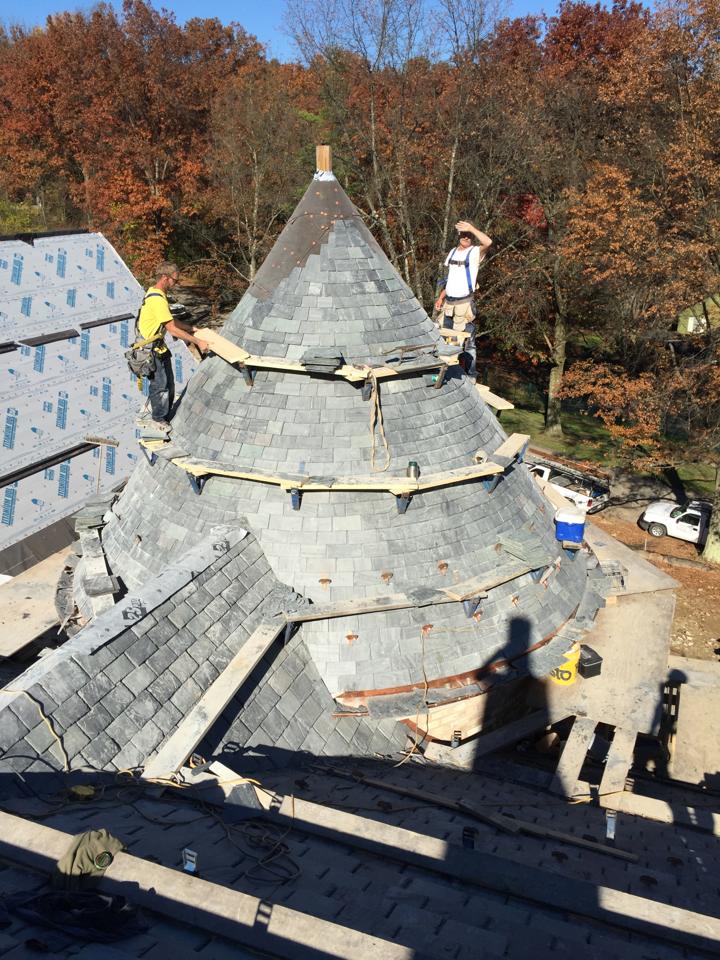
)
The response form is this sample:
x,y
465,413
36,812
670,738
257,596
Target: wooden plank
x,y
459,475
323,157
355,373
573,756
492,399
696,673
563,894
633,638
221,346
467,589
27,604
664,811
440,722
504,736
251,921
473,587
305,483
513,445
551,494
193,727
154,444
352,608
640,576
696,751
232,353
618,763
499,821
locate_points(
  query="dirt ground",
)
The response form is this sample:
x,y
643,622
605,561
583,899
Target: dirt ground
x,y
696,627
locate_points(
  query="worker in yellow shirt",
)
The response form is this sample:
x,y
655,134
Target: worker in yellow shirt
x,y
154,320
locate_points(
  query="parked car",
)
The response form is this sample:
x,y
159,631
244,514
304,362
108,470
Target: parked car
x,y
587,492
687,521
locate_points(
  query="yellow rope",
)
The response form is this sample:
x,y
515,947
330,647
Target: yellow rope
x,y
46,721
376,418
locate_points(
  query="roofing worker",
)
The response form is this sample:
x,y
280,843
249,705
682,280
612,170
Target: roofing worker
x,y
456,300
154,320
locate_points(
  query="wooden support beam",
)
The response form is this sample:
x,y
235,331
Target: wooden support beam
x,y
254,922
573,756
398,486
514,446
492,399
193,727
497,739
618,763
664,811
474,587
499,821
651,918
354,373
323,158
556,499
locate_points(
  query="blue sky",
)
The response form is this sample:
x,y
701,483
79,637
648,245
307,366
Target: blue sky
x,y
263,18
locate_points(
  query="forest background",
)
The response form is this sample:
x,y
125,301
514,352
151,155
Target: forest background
x,y
586,144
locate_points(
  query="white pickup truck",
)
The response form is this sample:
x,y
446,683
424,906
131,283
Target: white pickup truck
x,y
688,521
588,493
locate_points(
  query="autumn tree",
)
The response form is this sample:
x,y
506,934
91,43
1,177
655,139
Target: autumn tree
x,y
116,108
261,136
662,417
551,111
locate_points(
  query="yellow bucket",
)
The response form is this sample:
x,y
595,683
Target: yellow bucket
x,y
565,674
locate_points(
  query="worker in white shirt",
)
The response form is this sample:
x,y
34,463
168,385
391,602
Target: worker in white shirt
x,y
455,305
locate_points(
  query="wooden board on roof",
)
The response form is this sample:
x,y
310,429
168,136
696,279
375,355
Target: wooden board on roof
x,y
492,399
232,353
308,483
195,724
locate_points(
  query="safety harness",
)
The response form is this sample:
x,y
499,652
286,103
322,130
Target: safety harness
x,y
160,335
142,355
463,263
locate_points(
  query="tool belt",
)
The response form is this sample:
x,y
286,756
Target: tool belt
x,y
142,358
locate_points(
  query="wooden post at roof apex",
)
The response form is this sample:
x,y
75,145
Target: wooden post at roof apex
x,y
323,158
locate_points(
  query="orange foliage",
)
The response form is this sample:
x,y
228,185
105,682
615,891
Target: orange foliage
x,y
117,108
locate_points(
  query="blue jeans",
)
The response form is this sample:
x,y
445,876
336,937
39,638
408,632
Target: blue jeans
x,y
162,387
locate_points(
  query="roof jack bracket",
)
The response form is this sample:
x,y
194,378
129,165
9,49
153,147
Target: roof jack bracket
x,y
403,502
456,739
470,606
491,482
367,389
150,456
536,575
571,548
197,483
247,375
295,498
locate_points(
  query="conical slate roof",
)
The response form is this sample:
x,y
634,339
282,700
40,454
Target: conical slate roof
x,y
327,283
